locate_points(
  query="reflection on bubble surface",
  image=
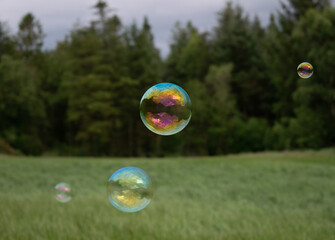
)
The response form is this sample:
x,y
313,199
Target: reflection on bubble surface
x,y
165,109
129,189
305,70
62,192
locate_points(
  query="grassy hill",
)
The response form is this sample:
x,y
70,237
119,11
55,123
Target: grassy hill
x,y
266,196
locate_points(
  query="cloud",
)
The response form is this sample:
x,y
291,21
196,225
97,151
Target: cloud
x,y
58,17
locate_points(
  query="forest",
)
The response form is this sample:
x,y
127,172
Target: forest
x,y
82,98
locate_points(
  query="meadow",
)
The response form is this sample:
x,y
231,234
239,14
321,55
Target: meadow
x,y
265,196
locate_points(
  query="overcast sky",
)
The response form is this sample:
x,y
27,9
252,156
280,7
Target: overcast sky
x,y
58,17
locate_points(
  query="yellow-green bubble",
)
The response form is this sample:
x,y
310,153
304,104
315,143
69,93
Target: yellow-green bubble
x,y
129,189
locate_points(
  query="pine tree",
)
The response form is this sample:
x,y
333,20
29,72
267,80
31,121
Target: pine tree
x,y
143,71
7,45
238,41
30,36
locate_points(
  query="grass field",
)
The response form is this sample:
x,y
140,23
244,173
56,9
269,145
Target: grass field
x,y
265,196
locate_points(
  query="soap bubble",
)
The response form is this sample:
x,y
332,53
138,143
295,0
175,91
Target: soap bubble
x,y
62,192
165,109
305,70
129,189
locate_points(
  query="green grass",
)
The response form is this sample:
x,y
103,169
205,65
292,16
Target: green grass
x,y
265,196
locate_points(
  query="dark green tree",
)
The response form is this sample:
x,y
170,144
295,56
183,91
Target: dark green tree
x,y
280,54
239,41
30,35
21,109
314,38
221,109
96,67
7,44
143,71
189,56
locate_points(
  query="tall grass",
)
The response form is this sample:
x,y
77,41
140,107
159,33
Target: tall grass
x,y
266,196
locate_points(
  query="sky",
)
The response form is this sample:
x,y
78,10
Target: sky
x,y
58,17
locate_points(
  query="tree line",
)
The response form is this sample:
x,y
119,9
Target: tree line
x,y
82,98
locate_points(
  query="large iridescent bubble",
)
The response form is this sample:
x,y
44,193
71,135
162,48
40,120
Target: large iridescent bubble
x,y
62,192
129,189
165,109
305,70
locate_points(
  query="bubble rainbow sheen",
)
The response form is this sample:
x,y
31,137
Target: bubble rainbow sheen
x,y
129,189
305,70
63,192
165,109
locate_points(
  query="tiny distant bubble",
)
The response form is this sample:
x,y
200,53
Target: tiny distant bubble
x,y
63,192
165,109
129,189
305,70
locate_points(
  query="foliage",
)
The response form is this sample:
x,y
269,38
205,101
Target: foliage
x,y
7,45
189,56
30,35
21,106
82,97
238,40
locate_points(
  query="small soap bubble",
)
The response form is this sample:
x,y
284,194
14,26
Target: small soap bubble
x,y
165,109
129,189
63,192
305,70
